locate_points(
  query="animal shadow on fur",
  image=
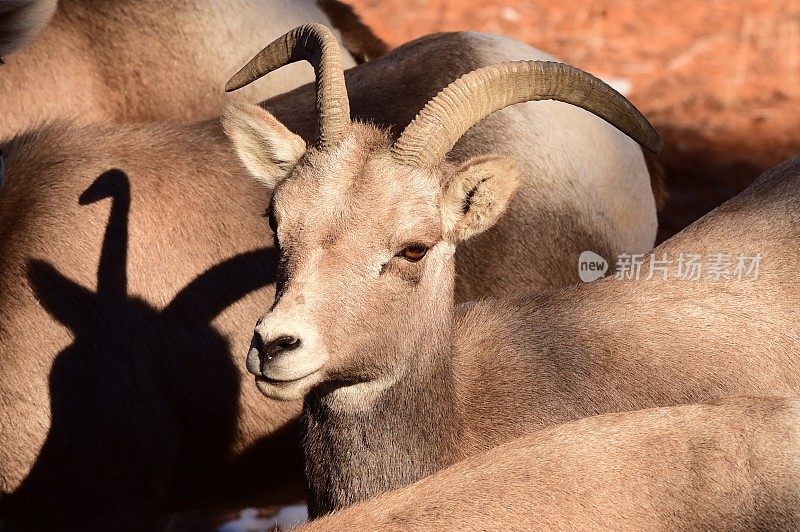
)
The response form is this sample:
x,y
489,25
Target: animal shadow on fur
x,y
132,415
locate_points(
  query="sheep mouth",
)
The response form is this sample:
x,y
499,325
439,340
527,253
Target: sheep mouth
x,y
278,382
286,389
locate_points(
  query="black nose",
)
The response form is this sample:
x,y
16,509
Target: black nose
x,y
277,346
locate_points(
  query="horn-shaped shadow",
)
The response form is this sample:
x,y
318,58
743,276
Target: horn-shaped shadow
x,y
144,402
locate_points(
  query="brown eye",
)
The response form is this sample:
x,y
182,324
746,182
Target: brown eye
x,y
414,252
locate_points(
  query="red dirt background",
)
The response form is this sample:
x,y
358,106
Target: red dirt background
x,y
720,79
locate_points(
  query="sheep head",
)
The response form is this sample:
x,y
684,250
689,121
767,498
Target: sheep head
x,y
366,228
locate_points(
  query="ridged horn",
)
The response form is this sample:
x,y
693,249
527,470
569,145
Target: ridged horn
x,y
476,95
316,44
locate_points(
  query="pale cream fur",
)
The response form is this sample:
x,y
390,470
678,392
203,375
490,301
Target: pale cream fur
x,y
267,149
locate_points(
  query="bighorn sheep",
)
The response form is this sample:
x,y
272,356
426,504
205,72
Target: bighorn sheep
x,y
398,382
586,184
733,465
72,329
136,60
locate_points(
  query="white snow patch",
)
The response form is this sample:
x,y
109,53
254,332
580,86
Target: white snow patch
x,y
249,520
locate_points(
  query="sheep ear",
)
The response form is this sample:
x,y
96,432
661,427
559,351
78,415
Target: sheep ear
x,y
476,194
265,146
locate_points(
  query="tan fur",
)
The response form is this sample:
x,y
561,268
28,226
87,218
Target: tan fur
x,y
445,382
477,194
245,125
193,208
21,21
170,248
731,465
138,60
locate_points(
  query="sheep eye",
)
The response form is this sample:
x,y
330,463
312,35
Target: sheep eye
x,y
414,252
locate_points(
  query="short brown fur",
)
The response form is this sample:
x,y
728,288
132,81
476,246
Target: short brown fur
x,y
141,60
731,465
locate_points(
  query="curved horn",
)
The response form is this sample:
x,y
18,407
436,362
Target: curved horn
x,y
316,44
474,96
